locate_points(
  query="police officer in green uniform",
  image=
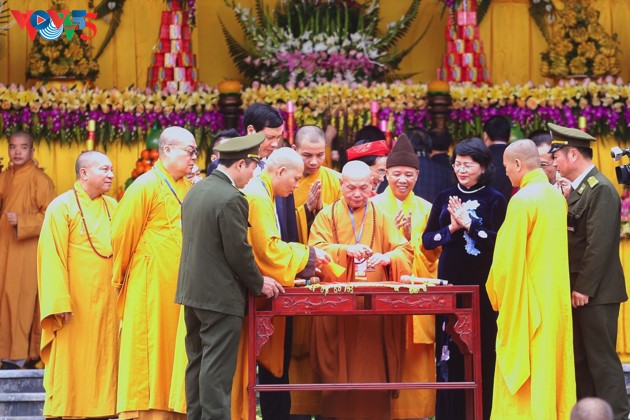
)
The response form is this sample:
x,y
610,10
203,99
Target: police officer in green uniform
x,y
597,280
217,267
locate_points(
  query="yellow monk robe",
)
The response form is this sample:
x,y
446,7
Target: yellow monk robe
x,y
147,242
177,398
359,348
81,355
300,369
419,357
277,259
529,286
27,192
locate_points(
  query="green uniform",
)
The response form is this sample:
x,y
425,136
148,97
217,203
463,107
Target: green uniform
x,y
596,271
216,268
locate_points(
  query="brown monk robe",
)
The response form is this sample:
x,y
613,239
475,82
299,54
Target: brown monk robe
x,y
25,192
359,348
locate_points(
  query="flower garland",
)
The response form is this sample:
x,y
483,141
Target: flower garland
x,y
61,114
126,115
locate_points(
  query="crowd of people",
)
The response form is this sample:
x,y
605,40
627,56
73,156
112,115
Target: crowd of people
x,y
137,308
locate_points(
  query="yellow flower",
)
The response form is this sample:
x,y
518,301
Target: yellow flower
x,y
579,35
578,65
614,67
587,50
75,51
600,65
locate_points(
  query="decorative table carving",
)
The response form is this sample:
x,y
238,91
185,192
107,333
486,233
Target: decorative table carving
x,y
459,303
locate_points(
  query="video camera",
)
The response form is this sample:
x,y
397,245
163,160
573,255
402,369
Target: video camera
x,y
623,171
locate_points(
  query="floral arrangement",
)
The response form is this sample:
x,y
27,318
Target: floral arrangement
x,y
625,213
61,114
579,45
605,104
61,58
126,115
306,41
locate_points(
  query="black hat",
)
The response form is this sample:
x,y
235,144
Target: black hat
x,y
402,154
241,147
564,136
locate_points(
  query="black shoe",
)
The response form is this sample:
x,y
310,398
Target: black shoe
x,y
9,366
32,364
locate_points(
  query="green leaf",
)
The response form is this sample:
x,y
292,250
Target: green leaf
x,y
482,9
238,53
401,27
113,27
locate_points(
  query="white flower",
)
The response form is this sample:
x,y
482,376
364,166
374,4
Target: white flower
x,y
320,46
307,47
356,37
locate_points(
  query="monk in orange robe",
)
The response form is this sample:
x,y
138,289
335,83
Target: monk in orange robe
x,y
318,188
147,243
359,236
25,192
78,303
411,213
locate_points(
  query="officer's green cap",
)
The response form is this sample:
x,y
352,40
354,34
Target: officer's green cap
x,y
241,147
564,136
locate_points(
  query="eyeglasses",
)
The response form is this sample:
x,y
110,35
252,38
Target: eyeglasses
x,y
193,153
380,172
466,167
545,164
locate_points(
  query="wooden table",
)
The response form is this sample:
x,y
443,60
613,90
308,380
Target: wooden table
x,y
459,303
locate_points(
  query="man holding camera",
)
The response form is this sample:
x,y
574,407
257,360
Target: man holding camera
x,y
597,280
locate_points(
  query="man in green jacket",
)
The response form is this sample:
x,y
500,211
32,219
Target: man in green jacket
x,y
216,268
597,280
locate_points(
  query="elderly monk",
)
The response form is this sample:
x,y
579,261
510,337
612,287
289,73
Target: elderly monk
x,y
283,261
534,375
410,213
78,304
318,188
25,192
147,242
364,239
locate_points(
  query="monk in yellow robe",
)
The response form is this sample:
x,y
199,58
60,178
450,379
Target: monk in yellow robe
x,y
283,261
529,286
78,304
147,242
318,188
25,192
359,348
410,213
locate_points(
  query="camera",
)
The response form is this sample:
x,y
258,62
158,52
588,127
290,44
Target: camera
x,y
623,171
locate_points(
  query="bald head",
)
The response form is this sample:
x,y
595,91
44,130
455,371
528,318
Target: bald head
x,y
284,166
284,157
355,170
526,151
592,409
175,135
89,159
356,184
310,134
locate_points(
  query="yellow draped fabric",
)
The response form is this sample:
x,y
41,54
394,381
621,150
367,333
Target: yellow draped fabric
x,y
419,354
331,190
81,354
277,259
359,348
147,241
300,370
534,376
27,192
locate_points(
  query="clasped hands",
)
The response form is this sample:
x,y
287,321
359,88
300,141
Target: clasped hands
x,y
314,199
362,252
459,215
